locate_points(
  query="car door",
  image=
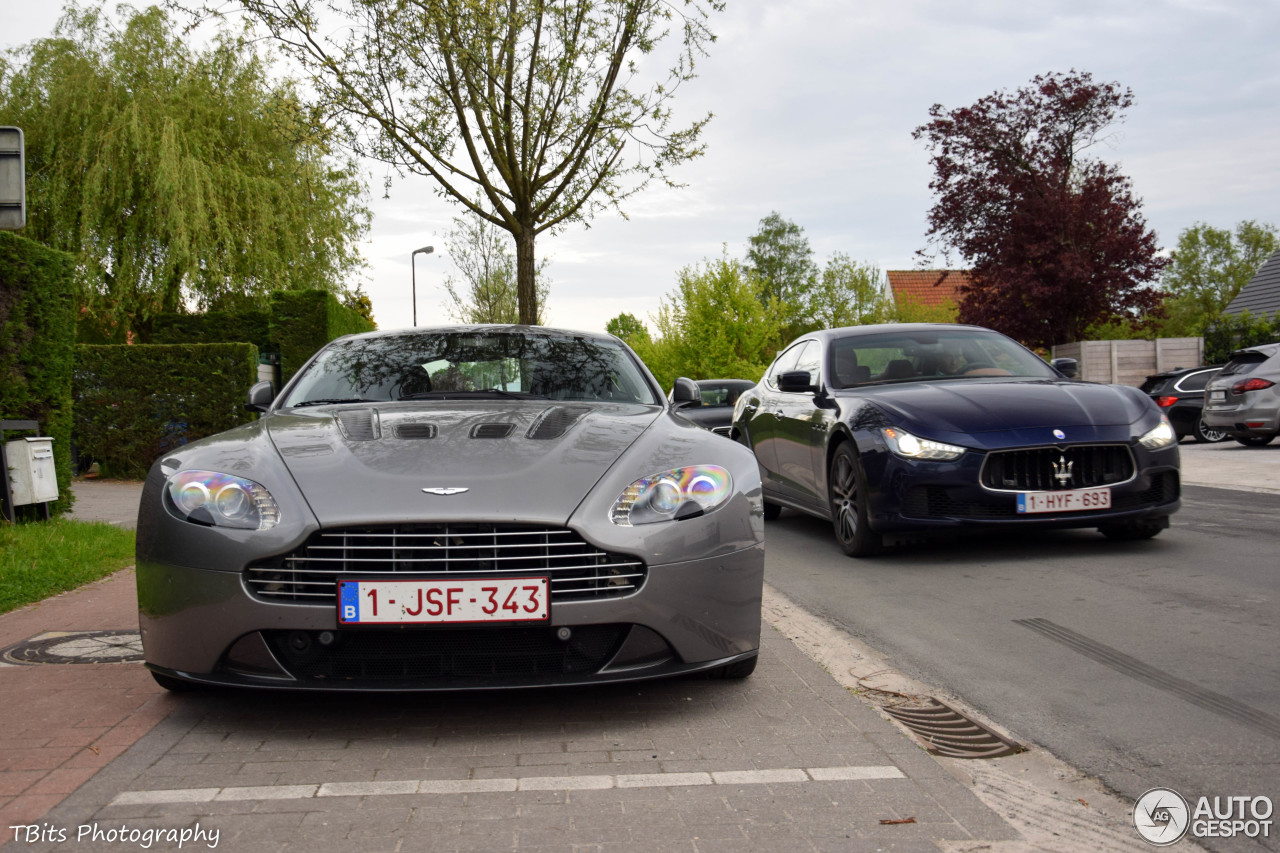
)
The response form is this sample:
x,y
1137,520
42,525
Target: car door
x,y
802,426
762,408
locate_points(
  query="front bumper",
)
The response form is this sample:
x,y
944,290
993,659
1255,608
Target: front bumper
x,y
204,625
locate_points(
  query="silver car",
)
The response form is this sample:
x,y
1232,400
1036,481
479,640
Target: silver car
x,y
1244,399
453,508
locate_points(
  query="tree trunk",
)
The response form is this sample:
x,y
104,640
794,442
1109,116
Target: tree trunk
x,y
526,272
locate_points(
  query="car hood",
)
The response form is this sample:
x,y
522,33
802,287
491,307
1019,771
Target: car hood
x,y
524,461
1027,410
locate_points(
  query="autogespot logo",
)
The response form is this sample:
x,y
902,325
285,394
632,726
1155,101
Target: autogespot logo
x,y
1161,816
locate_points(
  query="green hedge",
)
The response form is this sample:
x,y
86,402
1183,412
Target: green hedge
x,y
37,340
302,321
135,403
1230,333
215,327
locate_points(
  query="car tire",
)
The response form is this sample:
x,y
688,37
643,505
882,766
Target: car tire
x,y
847,497
1132,531
1205,434
1254,440
736,670
173,685
771,511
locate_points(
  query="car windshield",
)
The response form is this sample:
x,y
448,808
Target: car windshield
x,y
470,363
931,355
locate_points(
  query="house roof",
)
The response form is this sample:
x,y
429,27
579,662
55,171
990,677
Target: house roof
x,y
1261,296
927,287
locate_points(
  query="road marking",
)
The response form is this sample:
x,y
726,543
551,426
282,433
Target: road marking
x,y
507,785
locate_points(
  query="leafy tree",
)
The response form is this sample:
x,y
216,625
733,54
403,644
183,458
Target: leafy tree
x,y
848,293
627,327
780,256
713,325
488,275
1209,268
1055,238
177,178
358,301
550,110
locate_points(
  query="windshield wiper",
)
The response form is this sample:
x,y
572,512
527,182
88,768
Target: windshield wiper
x,y
335,400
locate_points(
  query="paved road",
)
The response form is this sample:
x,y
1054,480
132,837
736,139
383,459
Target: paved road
x,y
1142,664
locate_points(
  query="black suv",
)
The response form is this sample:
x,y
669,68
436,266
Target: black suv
x,y
1180,395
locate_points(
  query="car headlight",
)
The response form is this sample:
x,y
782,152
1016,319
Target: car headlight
x,y
905,444
221,500
1162,436
678,493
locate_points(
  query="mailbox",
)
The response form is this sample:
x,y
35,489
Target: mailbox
x,y
32,477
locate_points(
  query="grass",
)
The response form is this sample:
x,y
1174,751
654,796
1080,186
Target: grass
x,y
40,559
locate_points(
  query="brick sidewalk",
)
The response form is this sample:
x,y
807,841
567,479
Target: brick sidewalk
x,y
61,724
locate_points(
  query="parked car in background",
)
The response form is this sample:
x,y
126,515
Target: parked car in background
x,y
1244,399
453,508
894,431
709,402
1180,393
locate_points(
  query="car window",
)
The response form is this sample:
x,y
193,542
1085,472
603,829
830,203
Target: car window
x,y
809,359
1244,362
782,364
1196,381
931,355
420,365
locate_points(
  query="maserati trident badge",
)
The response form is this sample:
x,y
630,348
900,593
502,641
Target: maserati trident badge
x,y
1062,470
1059,434
446,490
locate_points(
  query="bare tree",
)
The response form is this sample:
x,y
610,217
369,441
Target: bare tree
x,y
486,292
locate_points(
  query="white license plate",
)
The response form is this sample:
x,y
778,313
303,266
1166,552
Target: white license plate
x,y
384,602
1072,501
1217,396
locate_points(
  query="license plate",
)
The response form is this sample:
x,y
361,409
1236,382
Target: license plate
x,y
383,602
1071,501
1217,396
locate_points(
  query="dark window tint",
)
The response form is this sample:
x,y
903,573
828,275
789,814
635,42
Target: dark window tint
x,y
783,363
1245,362
1196,381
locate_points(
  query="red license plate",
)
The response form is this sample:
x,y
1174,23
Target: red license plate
x,y
388,602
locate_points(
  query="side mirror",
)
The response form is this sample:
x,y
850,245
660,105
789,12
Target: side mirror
x,y
260,396
685,394
1068,367
796,382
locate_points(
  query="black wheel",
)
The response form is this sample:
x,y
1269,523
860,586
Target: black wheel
x,y
1254,440
771,511
847,494
1206,434
1132,531
173,685
738,669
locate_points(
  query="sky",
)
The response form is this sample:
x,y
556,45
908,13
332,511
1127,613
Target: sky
x,y
814,104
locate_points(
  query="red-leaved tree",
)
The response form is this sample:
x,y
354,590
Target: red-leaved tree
x,y
1055,240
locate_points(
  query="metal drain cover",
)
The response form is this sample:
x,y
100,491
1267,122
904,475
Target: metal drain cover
x,y
76,647
945,731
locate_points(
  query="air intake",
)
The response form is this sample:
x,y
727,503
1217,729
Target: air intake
x,y
555,422
492,430
414,431
359,425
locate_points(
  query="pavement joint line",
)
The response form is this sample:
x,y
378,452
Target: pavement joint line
x,y
786,775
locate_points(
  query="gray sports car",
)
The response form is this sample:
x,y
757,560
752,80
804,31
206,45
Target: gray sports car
x,y
453,508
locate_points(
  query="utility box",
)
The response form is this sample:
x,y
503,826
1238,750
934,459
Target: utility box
x,y
13,179
32,477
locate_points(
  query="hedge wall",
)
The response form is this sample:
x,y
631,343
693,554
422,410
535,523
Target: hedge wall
x,y
1230,333
135,403
37,345
302,321
253,326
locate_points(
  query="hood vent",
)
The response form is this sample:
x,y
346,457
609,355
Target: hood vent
x,y
492,430
555,422
412,431
359,425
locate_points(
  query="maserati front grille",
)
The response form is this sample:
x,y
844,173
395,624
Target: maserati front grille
x,y
1041,469
578,570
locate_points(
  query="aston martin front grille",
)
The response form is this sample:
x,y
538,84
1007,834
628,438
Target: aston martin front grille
x,y
1039,469
578,570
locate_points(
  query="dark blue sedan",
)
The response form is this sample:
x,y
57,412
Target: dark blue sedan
x,y
892,431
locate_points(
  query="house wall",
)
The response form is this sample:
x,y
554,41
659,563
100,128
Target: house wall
x,y
1131,362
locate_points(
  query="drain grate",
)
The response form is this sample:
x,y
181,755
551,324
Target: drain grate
x,y
945,731
76,647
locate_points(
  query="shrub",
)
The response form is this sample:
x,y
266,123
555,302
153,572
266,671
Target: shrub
x,y
302,321
1229,333
135,403
215,327
37,340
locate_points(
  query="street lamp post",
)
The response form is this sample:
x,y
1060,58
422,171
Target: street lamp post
x,y
413,274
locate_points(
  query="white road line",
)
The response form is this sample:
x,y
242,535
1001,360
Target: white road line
x,y
789,775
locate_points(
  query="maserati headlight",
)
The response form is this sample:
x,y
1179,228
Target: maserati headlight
x,y
678,493
221,500
1162,436
905,444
